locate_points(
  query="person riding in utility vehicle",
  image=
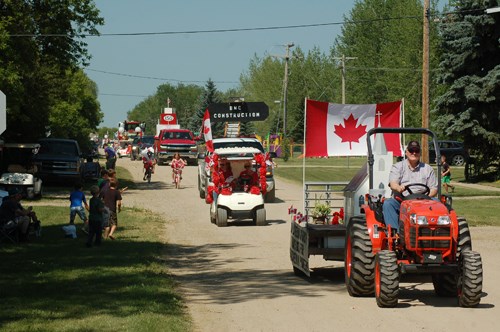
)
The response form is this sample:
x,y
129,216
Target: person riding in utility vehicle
x,y
410,170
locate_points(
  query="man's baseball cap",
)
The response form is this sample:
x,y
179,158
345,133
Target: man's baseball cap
x,y
413,145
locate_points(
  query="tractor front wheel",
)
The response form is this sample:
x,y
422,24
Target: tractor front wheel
x,y
470,279
386,279
359,260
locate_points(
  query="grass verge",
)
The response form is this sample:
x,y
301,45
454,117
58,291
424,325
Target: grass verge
x,y
57,284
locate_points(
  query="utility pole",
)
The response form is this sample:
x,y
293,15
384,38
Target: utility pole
x,y
285,86
342,66
425,82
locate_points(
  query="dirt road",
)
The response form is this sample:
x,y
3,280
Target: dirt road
x,y
240,278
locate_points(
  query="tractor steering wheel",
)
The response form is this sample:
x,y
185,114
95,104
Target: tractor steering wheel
x,y
426,191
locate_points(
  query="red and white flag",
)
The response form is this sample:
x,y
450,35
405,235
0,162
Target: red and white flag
x,y
340,129
207,132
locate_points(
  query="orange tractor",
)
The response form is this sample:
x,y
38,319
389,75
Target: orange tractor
x,y
431,240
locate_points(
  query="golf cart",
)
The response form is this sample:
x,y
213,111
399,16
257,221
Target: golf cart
x,y
18,169
237,197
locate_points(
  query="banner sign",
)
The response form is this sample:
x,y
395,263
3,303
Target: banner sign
x,y
168,118
238,112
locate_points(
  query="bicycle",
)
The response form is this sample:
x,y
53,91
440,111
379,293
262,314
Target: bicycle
x,y
177,177
147,173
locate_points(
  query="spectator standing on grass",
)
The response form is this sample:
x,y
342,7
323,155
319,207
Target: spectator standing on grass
x,y
110,154
103,179
78,201
446,174
113,201
95,218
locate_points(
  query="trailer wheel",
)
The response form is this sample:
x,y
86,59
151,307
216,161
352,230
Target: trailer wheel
x,y
260,217
386,279
359,264
221,218
470,279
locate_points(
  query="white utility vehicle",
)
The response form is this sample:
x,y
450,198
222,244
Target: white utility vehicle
x,y
236,199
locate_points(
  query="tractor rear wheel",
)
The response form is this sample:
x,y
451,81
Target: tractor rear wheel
x,y
470,279
386,279
359,260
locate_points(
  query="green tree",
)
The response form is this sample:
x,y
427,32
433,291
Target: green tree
x,y
183,98
386,38
35,67
470,68
76,113
209,96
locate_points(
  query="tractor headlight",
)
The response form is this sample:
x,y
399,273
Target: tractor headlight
x,y
419,220
444,220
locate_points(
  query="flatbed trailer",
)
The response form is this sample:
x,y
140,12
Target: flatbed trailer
x,y
311,238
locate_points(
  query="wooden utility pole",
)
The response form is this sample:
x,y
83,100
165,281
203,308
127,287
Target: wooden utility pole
x,y
285,86
425,82
342,67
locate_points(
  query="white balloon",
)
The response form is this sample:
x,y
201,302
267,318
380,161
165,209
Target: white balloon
x,y
121,130
138,129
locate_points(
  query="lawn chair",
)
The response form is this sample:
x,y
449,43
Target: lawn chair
x,y
9,231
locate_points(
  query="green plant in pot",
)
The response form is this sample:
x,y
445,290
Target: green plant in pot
x,y
320,211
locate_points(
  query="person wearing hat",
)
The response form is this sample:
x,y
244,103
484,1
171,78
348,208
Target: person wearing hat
x,y
12,209
408,171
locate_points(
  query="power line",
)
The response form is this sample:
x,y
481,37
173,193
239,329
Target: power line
x,y
156,78
297,26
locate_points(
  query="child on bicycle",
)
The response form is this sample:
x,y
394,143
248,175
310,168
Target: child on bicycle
x,y
149,162
177,165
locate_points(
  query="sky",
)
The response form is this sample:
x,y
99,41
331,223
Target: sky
x,y
193,58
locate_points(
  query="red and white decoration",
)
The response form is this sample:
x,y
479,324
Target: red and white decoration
x,y
340,129
207,132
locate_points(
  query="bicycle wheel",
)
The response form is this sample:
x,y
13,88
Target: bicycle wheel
x,y
149,175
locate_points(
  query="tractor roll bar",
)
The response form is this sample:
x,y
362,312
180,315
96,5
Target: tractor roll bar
x,y
425,131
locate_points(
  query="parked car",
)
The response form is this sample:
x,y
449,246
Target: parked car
x,y
454,151
139,144
59,160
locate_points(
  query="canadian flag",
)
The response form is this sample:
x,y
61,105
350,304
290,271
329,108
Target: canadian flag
x,y
340,129
207,132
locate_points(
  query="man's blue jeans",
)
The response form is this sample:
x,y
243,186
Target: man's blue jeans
x,y
391,212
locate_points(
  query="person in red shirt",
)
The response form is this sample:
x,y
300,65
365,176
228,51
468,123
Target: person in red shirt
x,y
177,165
248,177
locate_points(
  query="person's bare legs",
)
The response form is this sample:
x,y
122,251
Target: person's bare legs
x,y
112,230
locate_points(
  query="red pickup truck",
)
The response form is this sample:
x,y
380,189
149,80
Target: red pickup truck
x,y
171,141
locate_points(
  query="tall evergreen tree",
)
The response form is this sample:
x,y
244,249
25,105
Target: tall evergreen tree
x,y
470,68
209,96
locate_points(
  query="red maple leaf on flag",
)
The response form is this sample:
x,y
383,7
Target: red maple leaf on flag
x,y
350,133
206,130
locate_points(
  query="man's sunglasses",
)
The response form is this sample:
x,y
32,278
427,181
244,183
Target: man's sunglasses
x,y
414,150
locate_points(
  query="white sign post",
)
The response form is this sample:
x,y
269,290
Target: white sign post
x,y
3,112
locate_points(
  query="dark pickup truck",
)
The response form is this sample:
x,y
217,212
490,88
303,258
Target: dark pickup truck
x,y
59,160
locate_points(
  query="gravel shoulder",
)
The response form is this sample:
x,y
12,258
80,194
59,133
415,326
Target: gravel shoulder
x,y
240,278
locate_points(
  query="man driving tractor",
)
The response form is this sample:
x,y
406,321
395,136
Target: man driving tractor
x,y
408,171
